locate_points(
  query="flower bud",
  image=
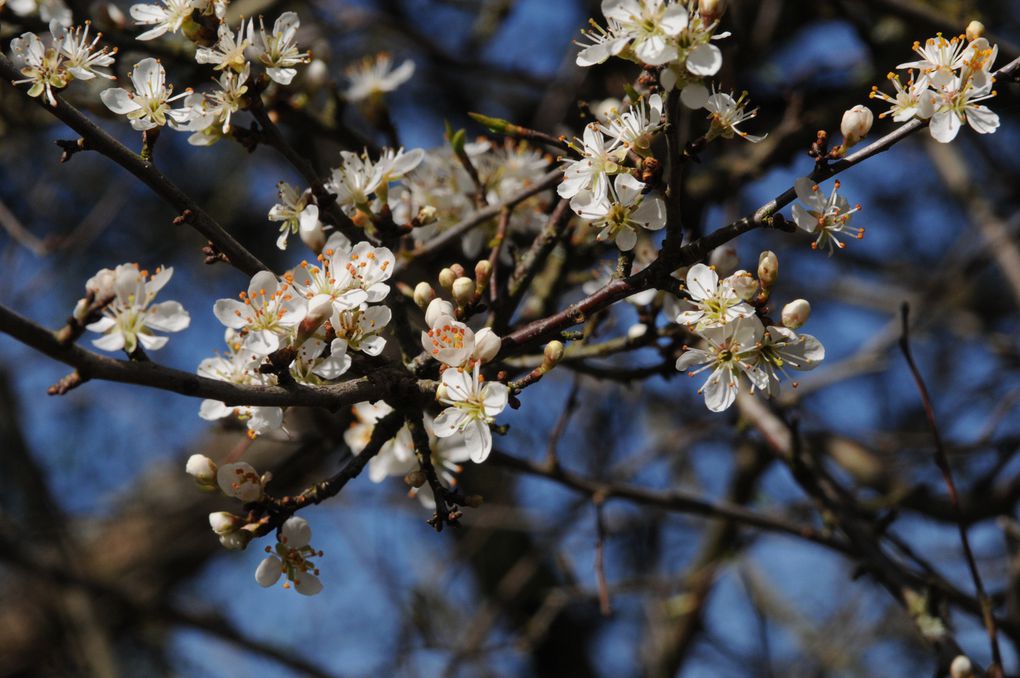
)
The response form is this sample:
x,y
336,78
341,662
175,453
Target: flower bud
x,y
796,313
743,285
961,666
636,331
856,124
724,259
235,541
711,10
768,268
463,291
446,278
975,30
102,284
458,270
312,235
426,215
203,470
436,310
423,295
415,478
487,345
317,74
483,269
553,353
222,522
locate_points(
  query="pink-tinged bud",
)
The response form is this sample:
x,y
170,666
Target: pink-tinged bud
x,y
711,10
222,522
975,30
312,235
768,268
203,470
487,345
743,285
553,353
961,666
436,310
483,269
423,295
796,313
463,291
458,270
724,259
856,124
446,278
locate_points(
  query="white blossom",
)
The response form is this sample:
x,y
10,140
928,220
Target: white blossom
x,y
292,557
131,317
268,313
148,106
82,58
278,53
474,404
43,66
636,127
240,480
239,366
781,349
627,211
166,17
371,77
360,327
725,113
294,210
715,303
731,352
228,50
828,218
590,173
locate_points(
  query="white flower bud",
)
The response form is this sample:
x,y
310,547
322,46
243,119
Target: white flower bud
x,y
856,124
961,666
553,353
203,470
312,235
436,310
426,215
636,331
222,522
463,291
768,268
235,541
240,481
446,278
102,283
975,30
317,74
796,313
743,284
423,295
487,345
483,269
724,259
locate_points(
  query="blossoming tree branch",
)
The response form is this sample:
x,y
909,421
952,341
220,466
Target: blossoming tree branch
x,y
418,300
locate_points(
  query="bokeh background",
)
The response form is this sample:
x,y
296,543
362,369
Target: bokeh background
x,y
106,563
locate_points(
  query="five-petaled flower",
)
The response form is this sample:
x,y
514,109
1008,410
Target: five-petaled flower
x,y
474,404
828,218
131,317
292,557
148,106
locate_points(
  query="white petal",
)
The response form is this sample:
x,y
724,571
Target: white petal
x,y
478,440
448,422
704,60
296,533
944,126
268,572
118,100
168,316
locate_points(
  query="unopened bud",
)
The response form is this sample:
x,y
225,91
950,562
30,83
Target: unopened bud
x,y
235,541
436,310
636,331
317,74
975,30
458,270
796,313
724,259
446,278
487,345
423,295
463,291
483,269
961,666
768,268
553,353
743,284
856,124
415,479
711,10
222,522
426,215
203,470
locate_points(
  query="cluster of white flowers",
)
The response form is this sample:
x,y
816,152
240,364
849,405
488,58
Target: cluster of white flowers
x,y
293,553
397,456
675,36
442,188
953,76
740,346
129,317
362,185
52,62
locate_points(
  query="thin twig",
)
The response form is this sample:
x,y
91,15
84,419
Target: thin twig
x,y
942,461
